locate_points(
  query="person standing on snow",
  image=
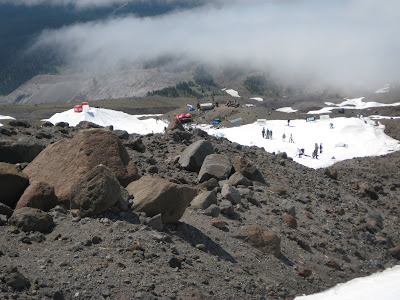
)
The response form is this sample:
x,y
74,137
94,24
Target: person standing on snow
x,y
270,134
291,139
316,147
288,122
320,148
263,132
267,136
284,137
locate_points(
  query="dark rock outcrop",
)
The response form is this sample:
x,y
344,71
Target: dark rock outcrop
x,y
32,219
25,149
215,165
12,184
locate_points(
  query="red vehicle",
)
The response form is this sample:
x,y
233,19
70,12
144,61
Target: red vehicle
x,y
184,118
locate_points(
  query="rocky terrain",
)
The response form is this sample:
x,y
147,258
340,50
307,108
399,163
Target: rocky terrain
x,y
96,213
60,89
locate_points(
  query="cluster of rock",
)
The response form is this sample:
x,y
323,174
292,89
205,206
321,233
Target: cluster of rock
x,y
165,181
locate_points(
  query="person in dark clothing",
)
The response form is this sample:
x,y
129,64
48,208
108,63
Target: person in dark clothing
x,y
263,132
320,148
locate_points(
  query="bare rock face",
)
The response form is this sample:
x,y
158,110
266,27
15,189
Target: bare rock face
x,y
175,124
204,200
154,195
96,192
193,156
62,164
395,251
265,240
32,219
12,184
247,169
24,149
238,179
38,195
215,165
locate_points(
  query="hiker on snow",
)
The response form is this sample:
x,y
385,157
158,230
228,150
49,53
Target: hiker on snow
x,y
283,137
263,132
320,148
291,139
267,136
288,122
270,134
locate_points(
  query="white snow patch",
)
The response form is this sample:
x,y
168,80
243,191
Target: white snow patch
x,y
376,117
106,117
5,118
233,93
382,285
385,89
286,110
257,99
362,137
329,103
355,103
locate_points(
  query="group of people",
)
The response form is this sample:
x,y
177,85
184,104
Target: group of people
x,y
316,148
266,134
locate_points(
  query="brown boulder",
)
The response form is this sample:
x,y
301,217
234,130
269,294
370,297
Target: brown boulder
x,y
38,195
368,190
154,195
395,251
63,163
12,184
305,273
290,221
247,169
265,240
175,124
96,192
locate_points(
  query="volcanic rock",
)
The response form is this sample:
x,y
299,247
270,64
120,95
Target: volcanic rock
x,y
13,278
5,210
204,200
231,193
175,124
265,240
238,179
193,156
96,192
12,184
38,195
215,165
290,221
32,219
247,169
25,149
154,195
62,164
395,251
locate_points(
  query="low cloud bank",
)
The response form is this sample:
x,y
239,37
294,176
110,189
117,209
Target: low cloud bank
x,y
332,43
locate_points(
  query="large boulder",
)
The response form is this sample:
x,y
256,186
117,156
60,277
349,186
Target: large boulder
x,y
38,195
12,184
63,163
247,169
265,240
96,192
238,179
32,219
231,193
193,156
24,149
154,195
204,200
175,124
215,165
5,210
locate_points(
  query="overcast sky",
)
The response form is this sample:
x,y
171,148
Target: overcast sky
x,y
329,42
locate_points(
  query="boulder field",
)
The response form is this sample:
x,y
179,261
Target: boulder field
x,y
92,213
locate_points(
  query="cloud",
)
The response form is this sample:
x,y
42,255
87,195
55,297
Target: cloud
x,y
335,43
89,3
